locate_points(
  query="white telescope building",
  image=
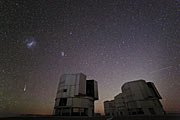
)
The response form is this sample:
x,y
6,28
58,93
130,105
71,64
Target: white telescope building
x,y
75,96
137,98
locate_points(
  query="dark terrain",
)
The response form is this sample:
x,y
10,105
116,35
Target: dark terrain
x,y
166,117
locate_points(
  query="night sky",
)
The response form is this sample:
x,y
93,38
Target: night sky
x,y
111,41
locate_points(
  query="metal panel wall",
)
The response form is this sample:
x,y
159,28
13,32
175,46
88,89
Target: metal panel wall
x,y
71,85
96,97
82,84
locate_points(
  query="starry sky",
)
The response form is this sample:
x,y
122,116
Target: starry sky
x,y
111,41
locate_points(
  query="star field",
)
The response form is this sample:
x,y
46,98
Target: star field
x,y
112,42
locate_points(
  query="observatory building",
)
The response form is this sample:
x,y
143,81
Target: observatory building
x,y
75,96
137,98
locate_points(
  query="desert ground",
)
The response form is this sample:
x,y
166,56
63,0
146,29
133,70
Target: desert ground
x,y
165,117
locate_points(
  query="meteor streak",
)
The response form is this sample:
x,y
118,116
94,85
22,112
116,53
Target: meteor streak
x,y
161,69
25,87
